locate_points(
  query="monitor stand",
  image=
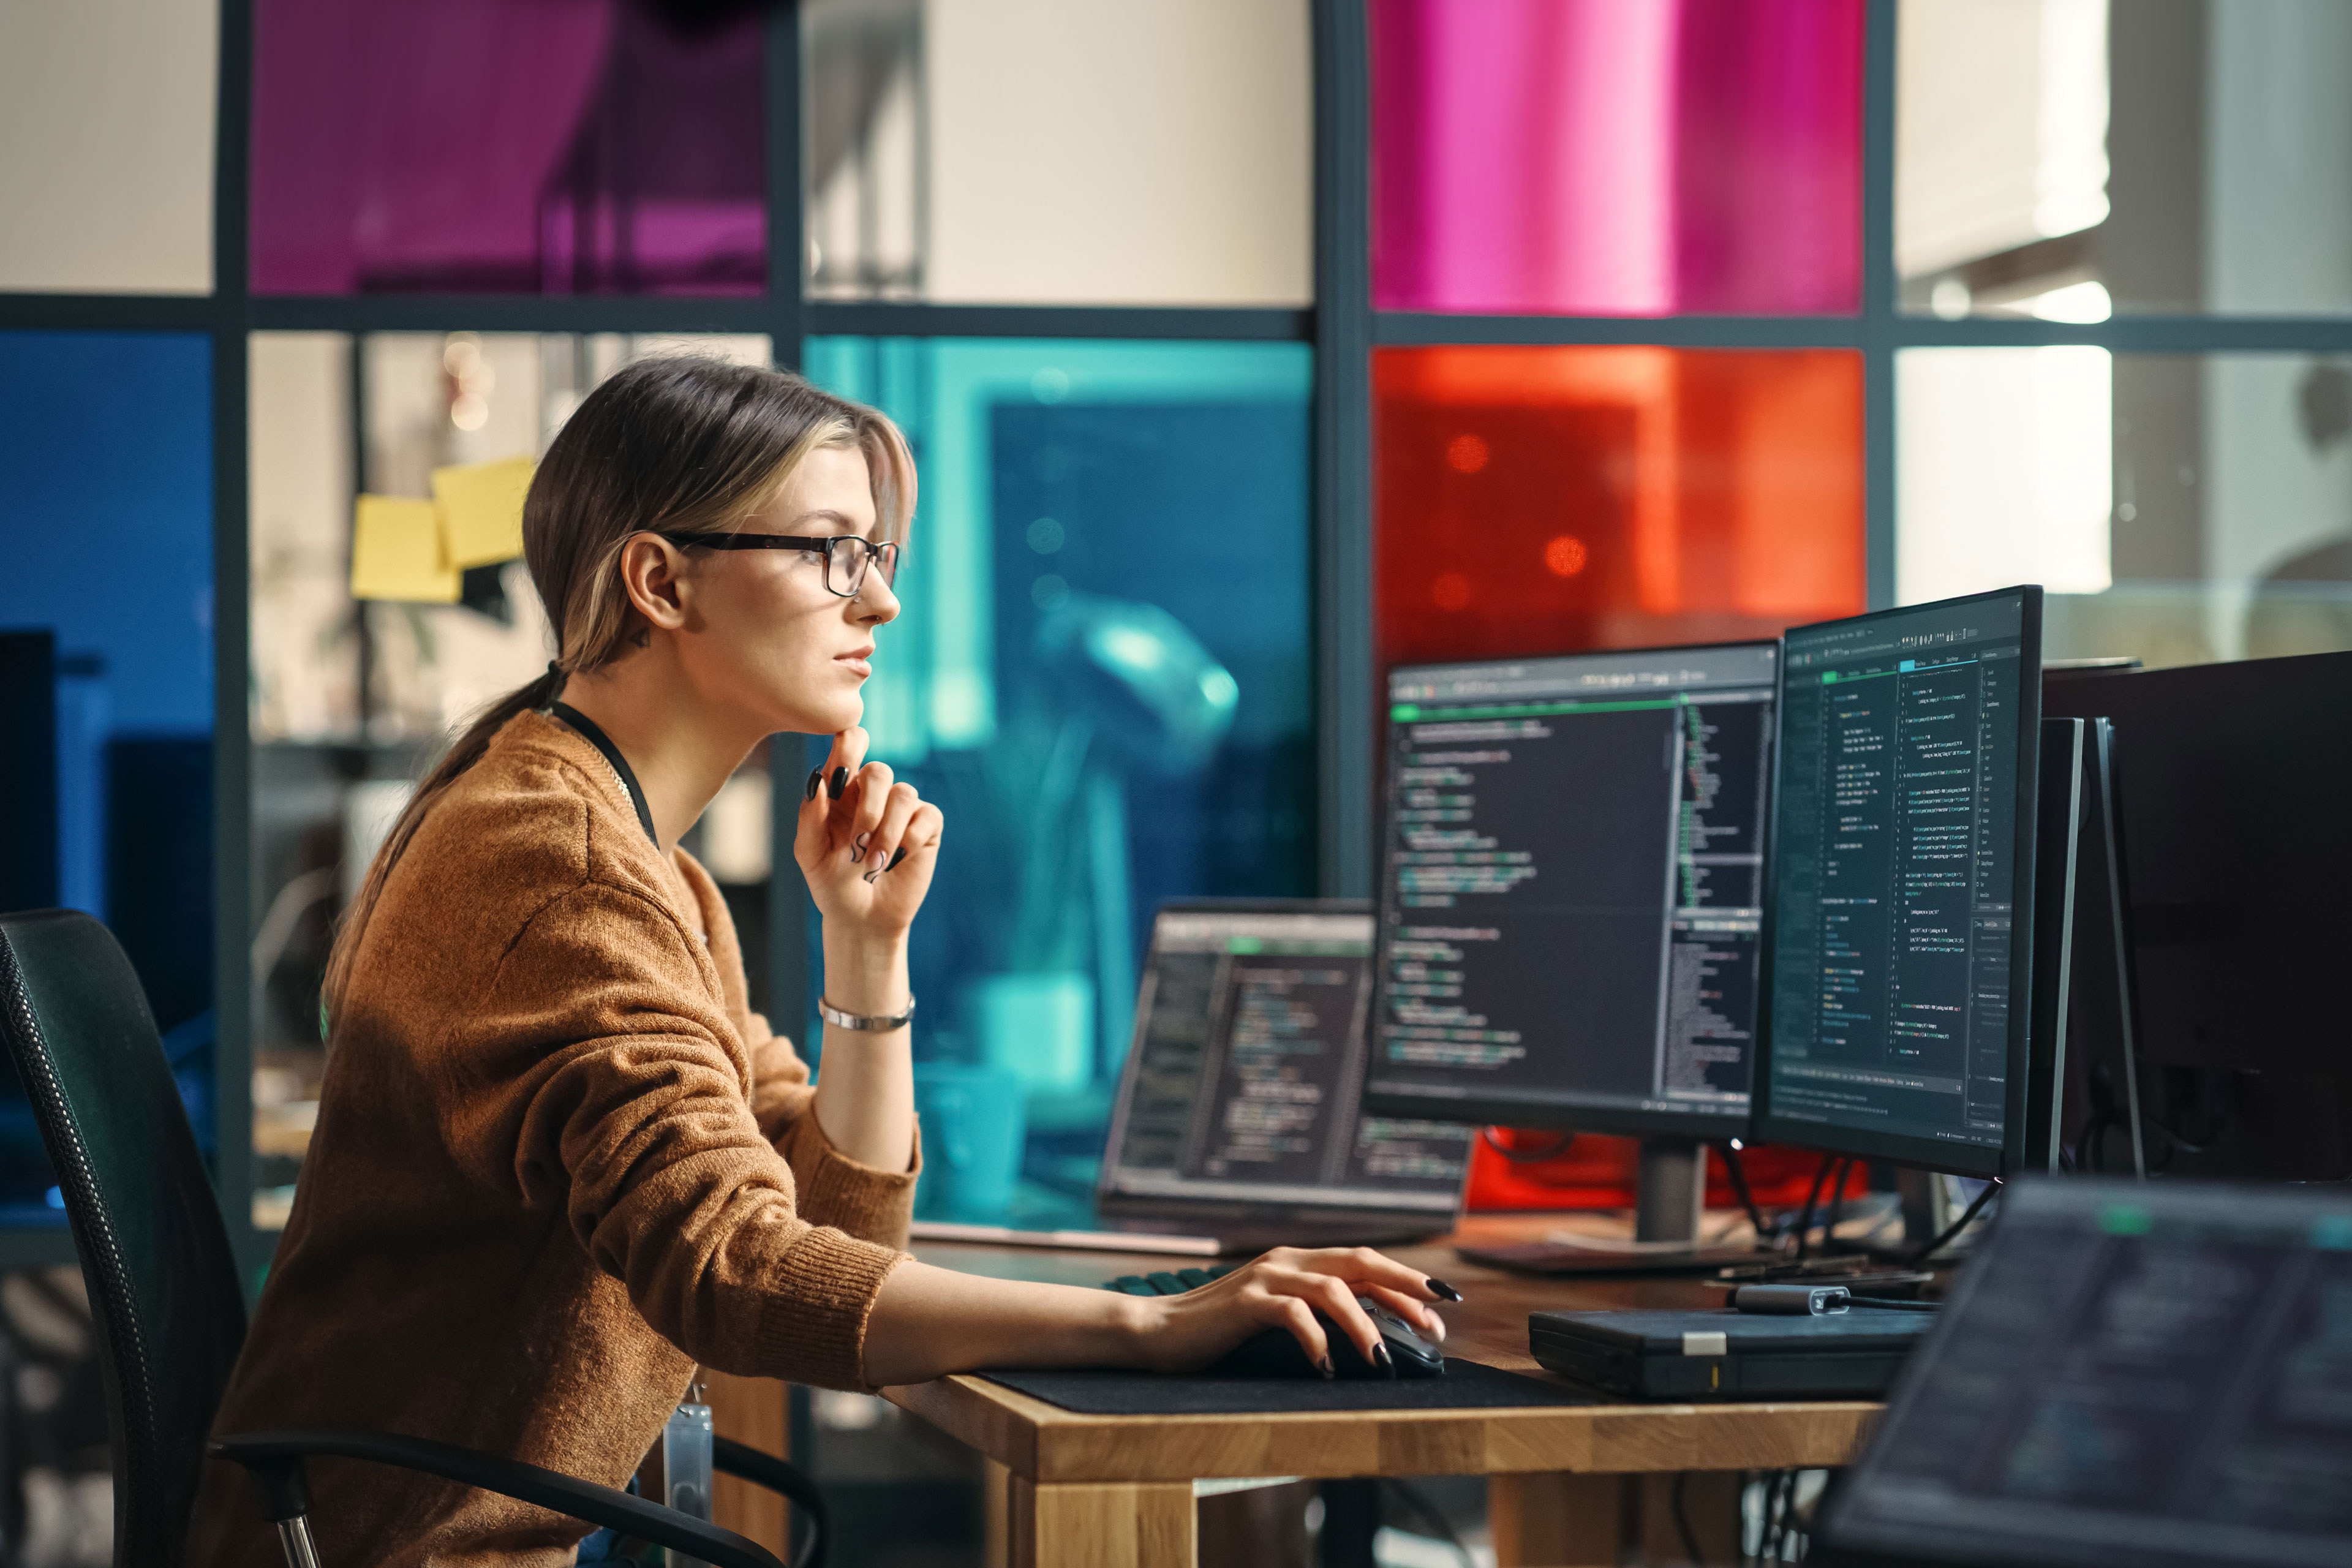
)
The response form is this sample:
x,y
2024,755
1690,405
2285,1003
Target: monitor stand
x,y
1670,1190
1668,1198
2082,955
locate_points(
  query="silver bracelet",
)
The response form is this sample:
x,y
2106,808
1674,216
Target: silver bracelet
x,y
879,1025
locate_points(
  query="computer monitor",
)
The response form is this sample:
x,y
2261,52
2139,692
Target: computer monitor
x,y
1571,893
1242,1093
2231,782
1899,946
2127,1375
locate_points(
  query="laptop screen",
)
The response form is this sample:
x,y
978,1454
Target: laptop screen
x,y
1244,1078
2143,1375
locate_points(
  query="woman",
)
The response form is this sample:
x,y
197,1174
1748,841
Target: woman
x,y
559,1162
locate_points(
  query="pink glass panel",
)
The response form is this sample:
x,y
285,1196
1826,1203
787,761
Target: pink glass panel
x,y
1617,157
505,146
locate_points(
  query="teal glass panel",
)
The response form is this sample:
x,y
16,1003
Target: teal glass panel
x,y
1102,675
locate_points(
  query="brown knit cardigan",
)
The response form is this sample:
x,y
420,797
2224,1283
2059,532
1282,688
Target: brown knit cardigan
x,y
558,1163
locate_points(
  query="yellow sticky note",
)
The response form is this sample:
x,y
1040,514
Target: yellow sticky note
x,y
397,551
481,509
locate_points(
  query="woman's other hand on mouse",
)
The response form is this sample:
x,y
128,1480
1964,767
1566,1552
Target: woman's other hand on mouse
x,y
867,843
1284,1289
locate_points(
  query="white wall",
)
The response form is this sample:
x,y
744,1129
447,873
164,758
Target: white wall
x,y
2279,154
305,650
2000,126
1103,151
106,145
2004,466
2279,240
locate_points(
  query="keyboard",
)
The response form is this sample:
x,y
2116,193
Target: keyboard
x,y
1165,1284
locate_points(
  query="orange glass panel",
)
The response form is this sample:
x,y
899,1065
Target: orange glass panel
x,y
1544,499
1595,1171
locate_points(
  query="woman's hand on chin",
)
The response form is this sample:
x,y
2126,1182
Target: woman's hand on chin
x,y
866,843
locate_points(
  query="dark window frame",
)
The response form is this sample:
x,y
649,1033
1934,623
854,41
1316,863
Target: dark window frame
x,y
1340,325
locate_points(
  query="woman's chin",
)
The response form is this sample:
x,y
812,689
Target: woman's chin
x,y
833,717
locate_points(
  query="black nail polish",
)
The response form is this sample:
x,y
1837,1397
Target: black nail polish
x,y
1441,1290
1326,1365
840,782
1381,1359
895,858
816,781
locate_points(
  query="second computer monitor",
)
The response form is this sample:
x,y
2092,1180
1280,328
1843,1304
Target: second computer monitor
x,y
1572,890
1903,887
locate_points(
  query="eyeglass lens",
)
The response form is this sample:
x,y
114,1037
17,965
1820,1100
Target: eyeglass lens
x,y
846,562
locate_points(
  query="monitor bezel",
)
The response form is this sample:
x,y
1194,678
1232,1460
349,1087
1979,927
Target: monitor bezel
x,y
1563,1115
1983,1160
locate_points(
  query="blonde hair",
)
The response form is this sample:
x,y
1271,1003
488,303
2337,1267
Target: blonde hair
x,y
677,444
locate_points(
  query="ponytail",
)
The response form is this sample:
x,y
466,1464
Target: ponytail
x,y
463,754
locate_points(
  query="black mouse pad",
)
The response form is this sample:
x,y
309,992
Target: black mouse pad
x,y
1466,1385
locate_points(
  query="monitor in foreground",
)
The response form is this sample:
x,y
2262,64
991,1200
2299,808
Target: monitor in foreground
x,y
1897,980
2129,1375
1572,892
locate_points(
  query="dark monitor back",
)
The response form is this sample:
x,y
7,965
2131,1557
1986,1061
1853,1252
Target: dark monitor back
x,y
2233,781
2127,1375
28,770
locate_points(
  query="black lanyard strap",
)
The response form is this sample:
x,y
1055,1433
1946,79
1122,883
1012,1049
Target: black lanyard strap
x,y
597,738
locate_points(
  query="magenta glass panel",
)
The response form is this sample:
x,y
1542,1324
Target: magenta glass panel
x,y
505,146
1617,157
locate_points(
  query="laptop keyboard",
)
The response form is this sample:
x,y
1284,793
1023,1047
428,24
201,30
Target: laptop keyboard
x,y
1168,1284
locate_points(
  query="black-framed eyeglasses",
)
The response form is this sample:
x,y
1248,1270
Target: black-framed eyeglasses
x,y
846,556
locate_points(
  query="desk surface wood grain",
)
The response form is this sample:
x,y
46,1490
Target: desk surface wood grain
x,y
1043,1442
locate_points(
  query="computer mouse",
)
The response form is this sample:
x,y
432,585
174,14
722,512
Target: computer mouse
x,y
1276,1352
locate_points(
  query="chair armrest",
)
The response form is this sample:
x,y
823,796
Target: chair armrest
x,y
744,1462
275,1461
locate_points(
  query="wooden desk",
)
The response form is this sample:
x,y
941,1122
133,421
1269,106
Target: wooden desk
x,y
1568,1485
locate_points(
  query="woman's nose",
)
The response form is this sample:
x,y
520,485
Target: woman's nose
x,y
875,602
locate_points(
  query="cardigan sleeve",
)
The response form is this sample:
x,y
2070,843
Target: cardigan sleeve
x,y
861,1200
607,1085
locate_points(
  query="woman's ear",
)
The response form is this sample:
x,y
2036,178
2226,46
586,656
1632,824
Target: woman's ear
x,y
653,572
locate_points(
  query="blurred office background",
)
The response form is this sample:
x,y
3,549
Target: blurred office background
x,y
1246,346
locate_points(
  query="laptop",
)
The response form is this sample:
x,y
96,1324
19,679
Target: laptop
x,y
1724,1353
2157,1375
1237,1125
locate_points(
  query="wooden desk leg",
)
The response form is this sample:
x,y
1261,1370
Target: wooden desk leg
x,y
996,1515
1062,1525
1711,1504
1557,1520
749,1410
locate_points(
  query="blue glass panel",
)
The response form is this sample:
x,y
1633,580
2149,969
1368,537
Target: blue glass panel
x,y
1102,675
106,503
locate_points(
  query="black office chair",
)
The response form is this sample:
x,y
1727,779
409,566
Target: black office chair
x,y
163,1286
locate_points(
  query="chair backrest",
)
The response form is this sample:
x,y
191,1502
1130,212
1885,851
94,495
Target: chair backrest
x,y
163,1279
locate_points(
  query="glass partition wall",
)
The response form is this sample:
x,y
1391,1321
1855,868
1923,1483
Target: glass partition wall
x,y
1275,342
1247,347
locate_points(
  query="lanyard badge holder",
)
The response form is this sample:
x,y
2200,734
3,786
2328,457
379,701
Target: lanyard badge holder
x,y
686,1465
